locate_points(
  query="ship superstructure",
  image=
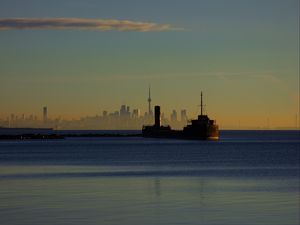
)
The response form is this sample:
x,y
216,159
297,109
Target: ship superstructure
x,y
202,127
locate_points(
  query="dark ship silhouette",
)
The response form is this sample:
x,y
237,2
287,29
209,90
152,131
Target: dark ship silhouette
x,y
201,128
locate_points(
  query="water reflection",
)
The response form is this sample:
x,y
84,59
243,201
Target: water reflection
x,y
157,188
128,200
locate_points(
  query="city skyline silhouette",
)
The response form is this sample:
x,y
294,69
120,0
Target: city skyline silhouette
x,y
92,56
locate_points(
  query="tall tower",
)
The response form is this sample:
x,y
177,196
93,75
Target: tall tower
x,y
149,103
45,114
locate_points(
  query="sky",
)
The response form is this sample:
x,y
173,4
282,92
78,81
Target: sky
x,y
80,57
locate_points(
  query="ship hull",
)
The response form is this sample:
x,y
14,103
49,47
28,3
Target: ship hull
x,y
208,133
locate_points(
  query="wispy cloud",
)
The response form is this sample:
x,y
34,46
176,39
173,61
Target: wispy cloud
x,y
80,24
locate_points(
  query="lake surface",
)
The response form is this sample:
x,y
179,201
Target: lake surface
x,y
248,177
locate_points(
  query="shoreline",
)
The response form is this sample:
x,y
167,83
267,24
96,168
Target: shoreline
x,y
60,136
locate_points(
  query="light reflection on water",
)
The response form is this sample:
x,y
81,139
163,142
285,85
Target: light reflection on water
x,y
149,200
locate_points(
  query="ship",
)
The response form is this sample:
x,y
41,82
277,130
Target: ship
x,y
202,128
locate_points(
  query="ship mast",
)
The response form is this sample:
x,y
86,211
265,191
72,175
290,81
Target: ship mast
x,y
201,105
149,102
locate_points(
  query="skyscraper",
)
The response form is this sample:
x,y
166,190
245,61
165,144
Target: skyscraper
x,y
174,116
136,113
183,116
123,110
45,114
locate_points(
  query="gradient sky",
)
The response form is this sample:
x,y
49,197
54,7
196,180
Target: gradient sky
x,y
243,54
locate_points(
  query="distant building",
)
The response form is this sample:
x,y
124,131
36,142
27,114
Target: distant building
x,y
183,116
12,117
136,113
124,111
104,113
45,114
174,116
128,111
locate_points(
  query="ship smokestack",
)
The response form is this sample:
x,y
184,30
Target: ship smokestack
x,y
157,116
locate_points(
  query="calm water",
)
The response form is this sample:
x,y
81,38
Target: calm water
x,y
248,177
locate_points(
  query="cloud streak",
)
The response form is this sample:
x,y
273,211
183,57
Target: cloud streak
x,y
80,24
